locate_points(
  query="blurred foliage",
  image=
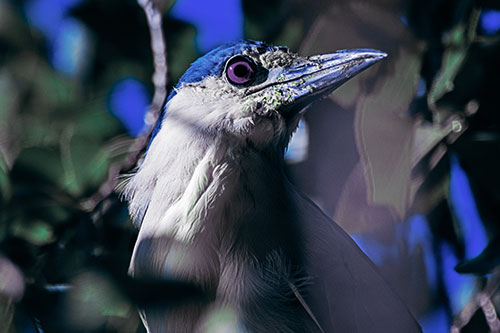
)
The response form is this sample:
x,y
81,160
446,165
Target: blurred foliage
x,y
464,86
57,143
63,267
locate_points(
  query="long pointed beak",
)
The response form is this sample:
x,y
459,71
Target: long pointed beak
x,y
319,75
326,72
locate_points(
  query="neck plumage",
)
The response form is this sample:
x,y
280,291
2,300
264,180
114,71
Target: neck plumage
x,y
182,189
223,219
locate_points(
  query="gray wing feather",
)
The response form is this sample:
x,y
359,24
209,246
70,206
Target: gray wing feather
x,y
347,294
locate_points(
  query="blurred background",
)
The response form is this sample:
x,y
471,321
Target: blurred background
x,y
405,157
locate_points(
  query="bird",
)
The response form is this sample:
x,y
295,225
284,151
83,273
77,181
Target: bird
x,y
214,207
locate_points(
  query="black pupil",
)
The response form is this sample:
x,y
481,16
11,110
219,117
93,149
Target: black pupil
x,y
241,71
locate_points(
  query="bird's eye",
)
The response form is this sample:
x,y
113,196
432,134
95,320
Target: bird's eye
x,y
240,70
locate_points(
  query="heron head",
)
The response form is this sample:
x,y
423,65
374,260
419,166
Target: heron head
x,y
255,92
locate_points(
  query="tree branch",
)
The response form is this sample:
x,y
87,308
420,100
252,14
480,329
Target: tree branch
x,y
159,50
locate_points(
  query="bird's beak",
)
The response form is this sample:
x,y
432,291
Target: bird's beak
x,y
319,75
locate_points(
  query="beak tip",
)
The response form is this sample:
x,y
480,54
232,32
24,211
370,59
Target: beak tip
x,y
376,55
370,56
383,55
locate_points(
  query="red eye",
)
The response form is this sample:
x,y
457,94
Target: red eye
x,y
240,70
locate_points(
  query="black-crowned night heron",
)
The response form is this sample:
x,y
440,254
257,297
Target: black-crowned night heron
x,y
215,208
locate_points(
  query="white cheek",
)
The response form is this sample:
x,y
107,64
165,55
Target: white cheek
x,y
215,104
209,103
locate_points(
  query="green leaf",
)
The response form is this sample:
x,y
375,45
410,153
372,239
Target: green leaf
x,y
95,122
88,162
453,59
44,163
52,90
94,298
457,44
385,136
5,189
38,232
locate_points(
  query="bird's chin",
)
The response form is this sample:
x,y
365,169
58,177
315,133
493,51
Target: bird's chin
x,y
291,114
298,108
